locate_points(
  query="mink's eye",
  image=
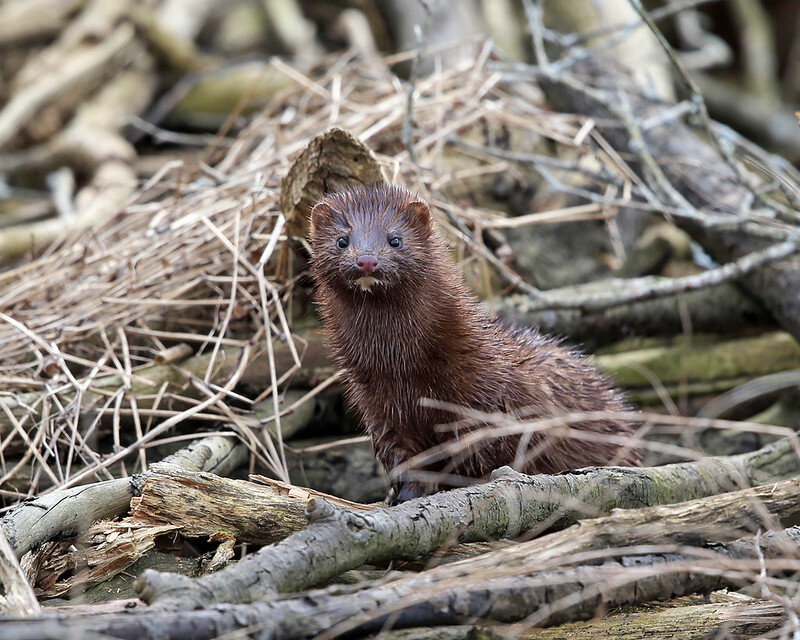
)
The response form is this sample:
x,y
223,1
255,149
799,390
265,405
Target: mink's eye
x,y
343,242
395,241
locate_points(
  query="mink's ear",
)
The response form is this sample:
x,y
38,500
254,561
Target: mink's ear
x,y
320,211
419,212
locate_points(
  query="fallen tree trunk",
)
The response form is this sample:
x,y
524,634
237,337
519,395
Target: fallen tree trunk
x,y
337,540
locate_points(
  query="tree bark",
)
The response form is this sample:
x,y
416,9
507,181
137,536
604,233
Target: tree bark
x,y
511,504
506,586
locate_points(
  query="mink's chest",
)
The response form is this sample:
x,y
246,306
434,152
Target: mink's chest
x,y
391,365
393,356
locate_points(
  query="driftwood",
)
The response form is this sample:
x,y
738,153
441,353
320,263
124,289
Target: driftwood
x,y
511,504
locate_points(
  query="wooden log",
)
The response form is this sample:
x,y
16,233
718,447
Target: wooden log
x,y
68,511
510,504
505,586
204,504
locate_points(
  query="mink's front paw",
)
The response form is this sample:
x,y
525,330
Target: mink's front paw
x,y
404,491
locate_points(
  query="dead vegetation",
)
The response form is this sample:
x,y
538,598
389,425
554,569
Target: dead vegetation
x,y
158,346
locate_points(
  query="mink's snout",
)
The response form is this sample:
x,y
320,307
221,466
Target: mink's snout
x,y
367,263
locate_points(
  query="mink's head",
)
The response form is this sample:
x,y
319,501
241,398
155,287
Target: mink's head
x,y
371,239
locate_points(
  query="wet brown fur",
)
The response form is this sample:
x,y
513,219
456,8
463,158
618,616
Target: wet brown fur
x,y
419,333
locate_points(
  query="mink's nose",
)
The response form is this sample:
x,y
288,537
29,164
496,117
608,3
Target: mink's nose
x,y
367,263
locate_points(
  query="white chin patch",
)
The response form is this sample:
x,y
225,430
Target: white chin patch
x,y
366,282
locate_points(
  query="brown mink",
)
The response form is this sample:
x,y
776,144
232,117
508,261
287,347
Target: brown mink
x,y
403,325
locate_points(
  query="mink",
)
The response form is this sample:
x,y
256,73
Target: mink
x,y
403,326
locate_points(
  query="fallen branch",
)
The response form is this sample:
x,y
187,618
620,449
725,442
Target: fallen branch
x,y
175,501
650,287
337,540
92,143
513,584
710,310
68,511
740,620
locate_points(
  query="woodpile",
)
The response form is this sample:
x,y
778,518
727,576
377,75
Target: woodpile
x,y
173,438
